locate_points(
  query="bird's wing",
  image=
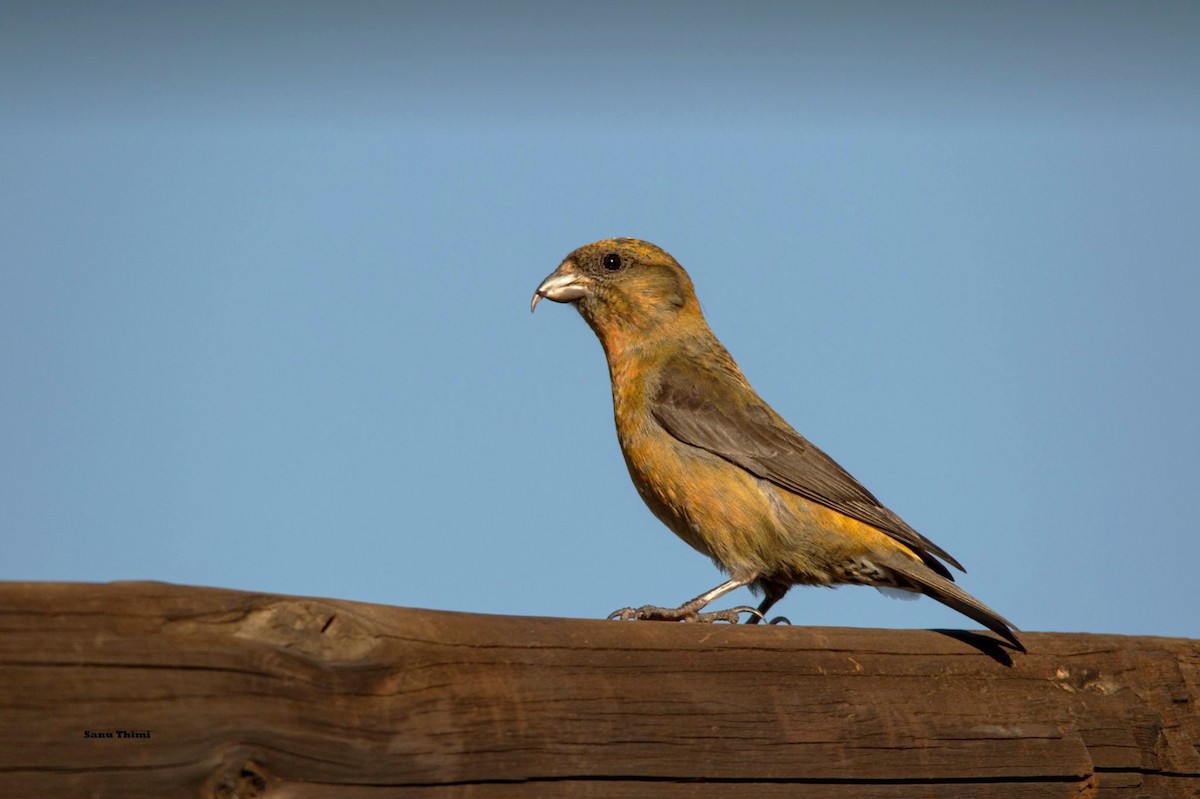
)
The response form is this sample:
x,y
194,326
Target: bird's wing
x,y
713,410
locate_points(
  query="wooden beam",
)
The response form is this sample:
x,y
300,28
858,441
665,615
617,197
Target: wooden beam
x,y
214,693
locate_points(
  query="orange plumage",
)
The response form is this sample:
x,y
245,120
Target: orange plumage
x,y
719,466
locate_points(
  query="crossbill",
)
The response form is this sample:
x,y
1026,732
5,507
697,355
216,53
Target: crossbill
x,y
718,466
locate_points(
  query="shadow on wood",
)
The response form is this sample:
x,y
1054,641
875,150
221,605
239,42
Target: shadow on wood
x,y
225,693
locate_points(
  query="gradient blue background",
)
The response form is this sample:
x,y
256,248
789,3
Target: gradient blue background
x,y
265,272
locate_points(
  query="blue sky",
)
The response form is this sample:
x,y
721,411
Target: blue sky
x,y
265,273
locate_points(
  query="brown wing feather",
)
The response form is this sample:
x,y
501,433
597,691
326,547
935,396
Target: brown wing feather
x,y
710,409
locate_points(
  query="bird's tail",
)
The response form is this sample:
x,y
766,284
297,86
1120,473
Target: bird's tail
x,y
921,578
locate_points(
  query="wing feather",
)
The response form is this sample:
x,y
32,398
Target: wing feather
x,y
712,409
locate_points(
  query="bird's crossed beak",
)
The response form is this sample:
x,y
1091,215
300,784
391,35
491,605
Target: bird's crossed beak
x,y
564,284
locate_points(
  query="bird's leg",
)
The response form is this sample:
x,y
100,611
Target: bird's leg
x,y
772,593
690,610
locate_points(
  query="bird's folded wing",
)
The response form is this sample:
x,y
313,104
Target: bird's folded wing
x,y
711,409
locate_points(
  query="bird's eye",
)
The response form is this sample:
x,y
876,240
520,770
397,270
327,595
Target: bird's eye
x,y
612,261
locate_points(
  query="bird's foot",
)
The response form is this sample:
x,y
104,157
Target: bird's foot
x,y
758,616
685,613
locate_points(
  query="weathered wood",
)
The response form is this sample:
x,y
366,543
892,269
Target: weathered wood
x,y
262,695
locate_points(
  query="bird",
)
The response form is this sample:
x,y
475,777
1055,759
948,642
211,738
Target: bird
x,y
719,466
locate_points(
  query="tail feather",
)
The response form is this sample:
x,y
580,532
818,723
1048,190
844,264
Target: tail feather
x,y
933,585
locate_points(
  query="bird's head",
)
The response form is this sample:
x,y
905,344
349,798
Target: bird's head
x,y
622,288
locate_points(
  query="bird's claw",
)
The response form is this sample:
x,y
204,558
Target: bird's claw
x,y
624,614
684,614
651,613
733,615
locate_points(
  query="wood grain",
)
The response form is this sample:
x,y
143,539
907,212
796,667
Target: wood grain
x,y
258,695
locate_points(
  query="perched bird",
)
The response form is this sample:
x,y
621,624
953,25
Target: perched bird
x,y
718,466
